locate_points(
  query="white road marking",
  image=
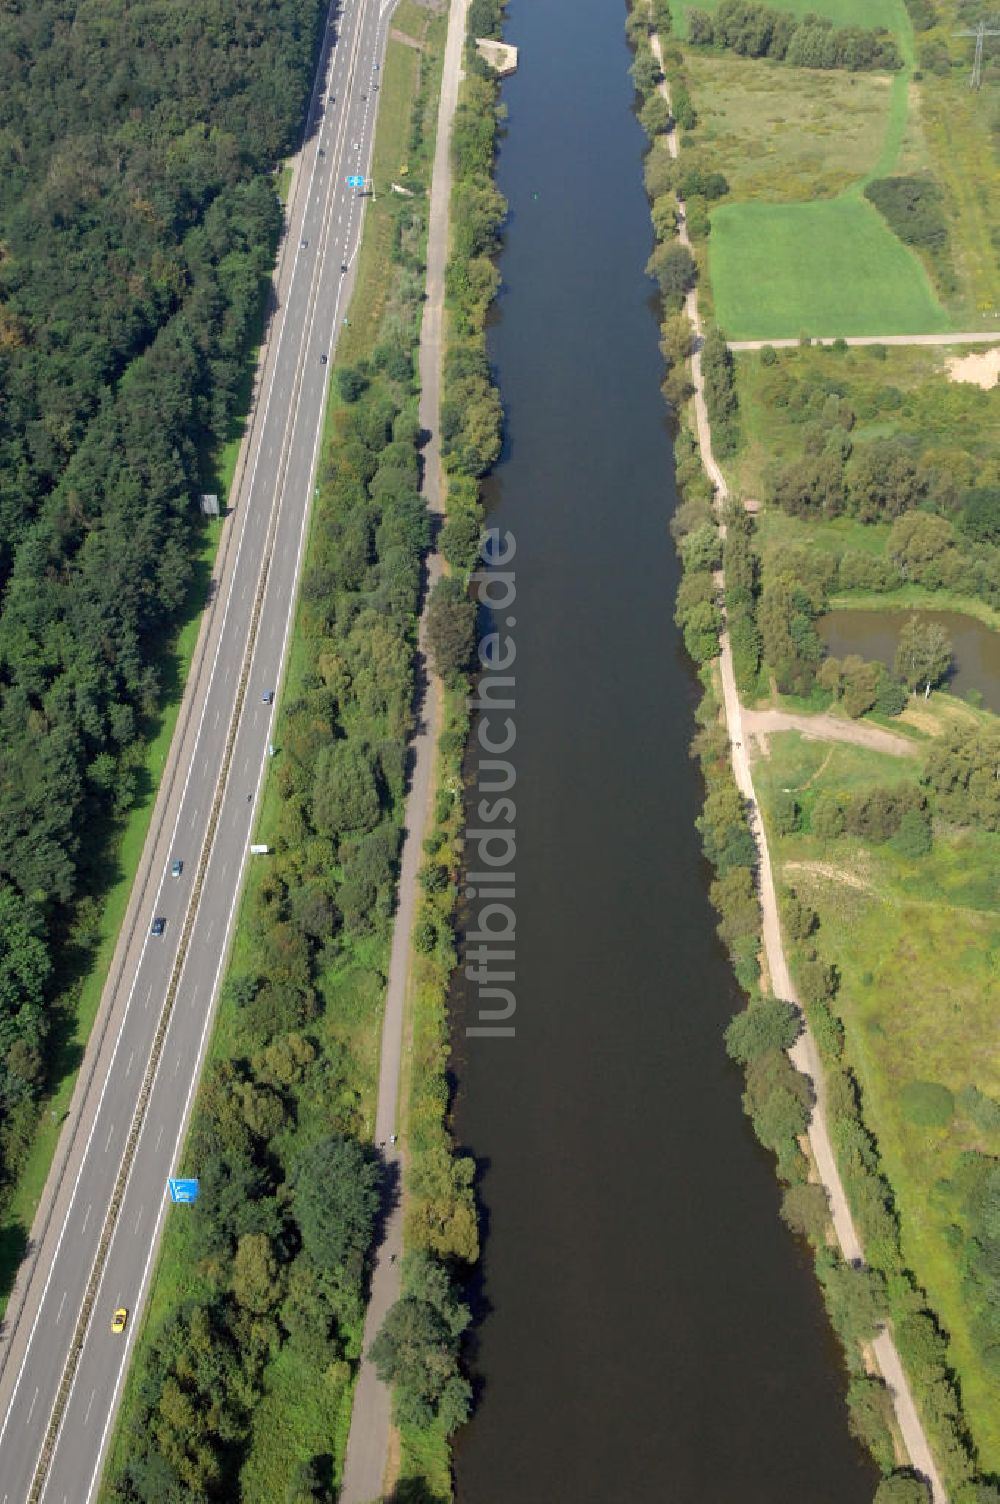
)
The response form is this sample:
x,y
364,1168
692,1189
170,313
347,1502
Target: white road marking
x,y
137,1221
149,994
86,1215
32,1405
111,1409
211,927
130,1060
177,1065
89,1403
111,1130
58,1315
219,711
159,1136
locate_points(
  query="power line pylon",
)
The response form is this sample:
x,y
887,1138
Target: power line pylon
x,y
983,30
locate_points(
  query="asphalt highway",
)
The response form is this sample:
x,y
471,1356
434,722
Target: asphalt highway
x,y
63,1368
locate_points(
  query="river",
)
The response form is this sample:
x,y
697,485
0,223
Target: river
x,y
649,1331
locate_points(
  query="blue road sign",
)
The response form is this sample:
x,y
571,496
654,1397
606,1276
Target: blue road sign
x,y
355,181
183,1190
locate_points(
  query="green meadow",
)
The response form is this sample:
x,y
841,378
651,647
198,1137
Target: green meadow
x,y
917,945
821,269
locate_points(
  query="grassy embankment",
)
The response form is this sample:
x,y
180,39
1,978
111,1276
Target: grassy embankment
x,y
827,412
796,247
916,942
301,1409
913,939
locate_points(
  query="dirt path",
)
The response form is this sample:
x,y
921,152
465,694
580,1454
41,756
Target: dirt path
x,y
828,728
367,1456
804,1054
873,339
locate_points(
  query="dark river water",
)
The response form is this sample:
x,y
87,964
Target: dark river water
x,y
875,634
650,1333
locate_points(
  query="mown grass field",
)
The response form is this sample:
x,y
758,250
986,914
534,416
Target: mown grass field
x,y
841,12
917,943
822,269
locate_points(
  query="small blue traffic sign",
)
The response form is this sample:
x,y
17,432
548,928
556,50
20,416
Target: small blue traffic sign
x,y
183,1190
355,181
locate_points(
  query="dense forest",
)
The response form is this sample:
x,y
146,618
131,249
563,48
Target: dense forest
x,y
138,221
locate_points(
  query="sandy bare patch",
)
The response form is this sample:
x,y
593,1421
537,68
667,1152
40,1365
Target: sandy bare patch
x,y
980,370
829,873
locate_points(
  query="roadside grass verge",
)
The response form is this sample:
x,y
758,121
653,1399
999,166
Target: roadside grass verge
x,y
916,942
820,269
399,157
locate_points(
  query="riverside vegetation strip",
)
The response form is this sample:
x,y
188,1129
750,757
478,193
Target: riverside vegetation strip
x,y
929,1236
242,1377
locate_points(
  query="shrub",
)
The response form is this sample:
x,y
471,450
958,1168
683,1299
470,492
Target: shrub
x,y
913,209
451,621
770,1025
982,1110
786,813
806,1211
901,1488
913,838
927,1104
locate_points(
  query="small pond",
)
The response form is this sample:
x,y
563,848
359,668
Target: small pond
x,y
874,634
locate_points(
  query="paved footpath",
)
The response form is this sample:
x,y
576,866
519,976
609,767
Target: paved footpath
x,y
804,1053
871,339
367,1453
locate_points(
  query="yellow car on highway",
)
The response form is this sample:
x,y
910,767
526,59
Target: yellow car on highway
x,y
118,1320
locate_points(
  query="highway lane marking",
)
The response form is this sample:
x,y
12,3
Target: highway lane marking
x,y
61,1304
218,712
149,994
86,1216
190,772
32,1406
158,1138
137,1221
111,1130
130,1060
208,932
89,1404
177,1064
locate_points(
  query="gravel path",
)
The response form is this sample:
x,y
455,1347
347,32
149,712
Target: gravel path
x,y
873,339
829,728
366,1459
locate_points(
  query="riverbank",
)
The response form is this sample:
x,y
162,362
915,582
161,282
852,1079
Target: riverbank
x,y
375,1462
804,1053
